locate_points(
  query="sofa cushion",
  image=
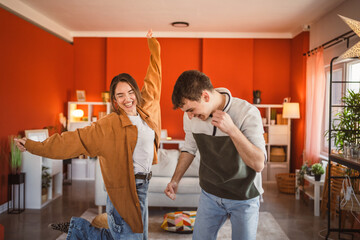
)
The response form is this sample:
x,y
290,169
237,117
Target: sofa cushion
x,y
180,222
166,164
168,159
188,185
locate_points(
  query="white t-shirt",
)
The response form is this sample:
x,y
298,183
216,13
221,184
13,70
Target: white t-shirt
x,y
144,150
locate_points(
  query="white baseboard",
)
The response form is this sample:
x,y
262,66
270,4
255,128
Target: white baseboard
x,y
4,207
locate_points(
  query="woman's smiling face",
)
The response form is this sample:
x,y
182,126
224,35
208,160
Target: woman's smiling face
x,y
126,98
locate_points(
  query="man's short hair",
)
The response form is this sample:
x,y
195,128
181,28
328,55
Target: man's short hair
x,y
190,85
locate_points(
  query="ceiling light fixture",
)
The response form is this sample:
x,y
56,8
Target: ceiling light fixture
x,y
180,24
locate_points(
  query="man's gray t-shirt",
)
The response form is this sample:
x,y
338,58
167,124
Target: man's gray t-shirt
x,y
222,172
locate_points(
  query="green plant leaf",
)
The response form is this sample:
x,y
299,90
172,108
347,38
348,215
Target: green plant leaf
x,y
15,157
347,122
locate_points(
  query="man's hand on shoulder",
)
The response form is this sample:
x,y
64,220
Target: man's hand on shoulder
x,y
223,121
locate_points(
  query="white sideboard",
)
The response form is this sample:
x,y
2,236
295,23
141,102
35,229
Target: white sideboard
x,y
32,166
276,136
84,168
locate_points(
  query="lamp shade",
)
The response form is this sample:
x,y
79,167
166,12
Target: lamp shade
x,y
291,110
78,113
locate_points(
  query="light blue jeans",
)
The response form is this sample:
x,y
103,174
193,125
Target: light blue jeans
x,y
213,212
118,229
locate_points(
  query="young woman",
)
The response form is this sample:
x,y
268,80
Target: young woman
x,y
126,142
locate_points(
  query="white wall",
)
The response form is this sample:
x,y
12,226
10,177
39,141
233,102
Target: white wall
x,y
331,25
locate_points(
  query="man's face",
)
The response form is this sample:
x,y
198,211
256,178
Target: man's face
x,y
200,109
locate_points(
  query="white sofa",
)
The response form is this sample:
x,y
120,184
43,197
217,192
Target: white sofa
x,y
188,191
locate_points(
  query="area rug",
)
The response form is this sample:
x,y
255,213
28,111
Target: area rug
x,y
268,228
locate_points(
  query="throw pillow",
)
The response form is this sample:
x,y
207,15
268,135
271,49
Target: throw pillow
x,y
179,222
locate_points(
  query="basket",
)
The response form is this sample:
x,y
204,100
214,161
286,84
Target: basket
x,y
277,154
286,182
275,158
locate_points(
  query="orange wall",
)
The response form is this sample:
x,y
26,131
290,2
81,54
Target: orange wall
x,y
90,67
272,69
241,65
178,55
36,77
299,45
229,64
126,55
131,55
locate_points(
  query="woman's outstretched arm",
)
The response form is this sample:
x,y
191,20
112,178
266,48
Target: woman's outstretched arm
x,y
151,90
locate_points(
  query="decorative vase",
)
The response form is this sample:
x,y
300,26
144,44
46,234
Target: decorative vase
x,y
256,100
256,95
317,177
105,96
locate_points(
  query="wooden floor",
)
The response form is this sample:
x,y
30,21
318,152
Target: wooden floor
x,y
295,217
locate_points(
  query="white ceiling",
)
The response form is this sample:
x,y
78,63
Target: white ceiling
x,y
207,18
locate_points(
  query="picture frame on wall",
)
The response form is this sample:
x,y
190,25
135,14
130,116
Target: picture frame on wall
x,y
80,95
37,135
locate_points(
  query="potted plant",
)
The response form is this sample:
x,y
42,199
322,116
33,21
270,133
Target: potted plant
x,y
317,170
346,123
15,157
15,176
300,178
256,95
273,116
45,183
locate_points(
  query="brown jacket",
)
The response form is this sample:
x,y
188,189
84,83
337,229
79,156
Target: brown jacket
x,y
113,139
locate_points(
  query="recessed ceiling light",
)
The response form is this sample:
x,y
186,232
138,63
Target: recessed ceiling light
x,y
180,24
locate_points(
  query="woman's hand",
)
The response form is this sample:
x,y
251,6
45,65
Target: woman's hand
x,y
20,143
149,34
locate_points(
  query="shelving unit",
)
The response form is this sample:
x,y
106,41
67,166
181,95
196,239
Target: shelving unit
x,y
84,168
32,166
88,108
276,136
338,158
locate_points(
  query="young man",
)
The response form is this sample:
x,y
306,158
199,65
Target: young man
x,y
228,133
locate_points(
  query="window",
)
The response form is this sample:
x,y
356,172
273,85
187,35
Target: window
x,y
348,71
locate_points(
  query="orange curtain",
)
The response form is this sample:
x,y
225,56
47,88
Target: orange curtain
x,y
315,97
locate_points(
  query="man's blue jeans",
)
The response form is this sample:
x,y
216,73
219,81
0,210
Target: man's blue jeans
x,y
118,228
213,212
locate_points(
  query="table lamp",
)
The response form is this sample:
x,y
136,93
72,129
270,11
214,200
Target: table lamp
x,y
291,110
